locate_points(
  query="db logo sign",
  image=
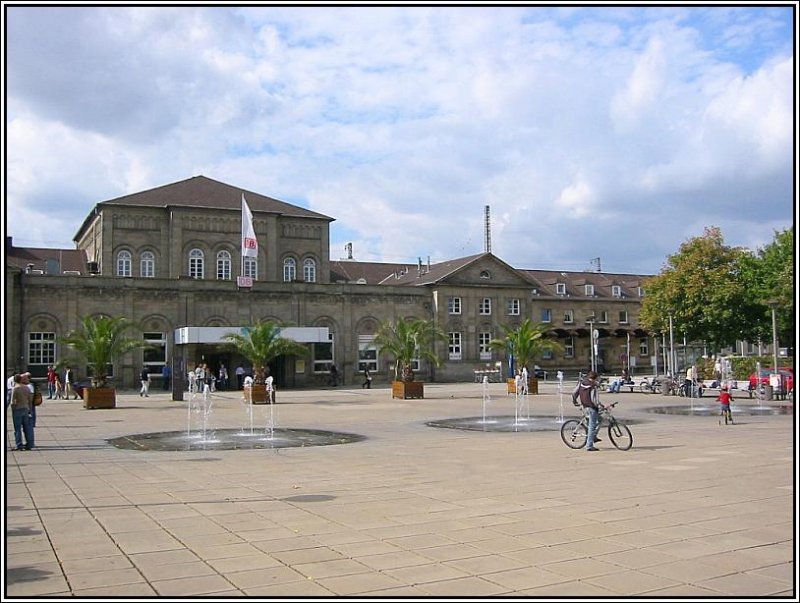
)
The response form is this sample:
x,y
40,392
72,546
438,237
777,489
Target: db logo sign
x,y
250,243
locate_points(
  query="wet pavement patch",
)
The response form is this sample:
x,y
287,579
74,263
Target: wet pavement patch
x,y
507,423
233,439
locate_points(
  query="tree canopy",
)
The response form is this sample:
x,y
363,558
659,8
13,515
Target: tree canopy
x,y
720,294
525,342
407,339
261,343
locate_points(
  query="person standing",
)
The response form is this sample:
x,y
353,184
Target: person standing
x,y
367,380
240,376
51,382
144,376
21,404
524,376
223,377
10,382
68,381
28,382
334,375
586,393
166,376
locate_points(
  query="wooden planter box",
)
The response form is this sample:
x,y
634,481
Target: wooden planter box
x,y
408,389
533,386
258,394
99,397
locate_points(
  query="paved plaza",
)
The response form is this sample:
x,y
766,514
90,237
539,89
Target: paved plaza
x,y
693,509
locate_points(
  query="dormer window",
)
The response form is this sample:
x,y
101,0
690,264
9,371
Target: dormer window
x,y
589,290
561,289
641,291
616,291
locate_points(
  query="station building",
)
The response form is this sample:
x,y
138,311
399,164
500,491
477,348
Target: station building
x,y
170,259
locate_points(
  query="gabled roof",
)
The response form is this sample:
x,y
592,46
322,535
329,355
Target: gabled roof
x,y
200,191
422,275
49,261
369,273
575,282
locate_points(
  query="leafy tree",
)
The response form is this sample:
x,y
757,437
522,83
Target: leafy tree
x,y
407,339
526,342
261,343
102,340
770,275
704,288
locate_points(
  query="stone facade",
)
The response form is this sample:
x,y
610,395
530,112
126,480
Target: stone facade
x,y
140,247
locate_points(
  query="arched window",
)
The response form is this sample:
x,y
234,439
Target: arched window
x,y
124,263
196,263
289,270
147,264
251,268
309,270
223,266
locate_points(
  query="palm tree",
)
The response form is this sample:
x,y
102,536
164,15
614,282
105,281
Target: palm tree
x,y
261,343
525,342
102,340
407,339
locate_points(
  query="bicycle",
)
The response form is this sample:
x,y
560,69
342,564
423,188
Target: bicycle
x,y
574,432
650,387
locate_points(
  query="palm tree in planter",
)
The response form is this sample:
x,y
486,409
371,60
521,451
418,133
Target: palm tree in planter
x,y
260,344
406,340
525,342
102,340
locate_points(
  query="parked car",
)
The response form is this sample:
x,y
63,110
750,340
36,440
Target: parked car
x,y
786,372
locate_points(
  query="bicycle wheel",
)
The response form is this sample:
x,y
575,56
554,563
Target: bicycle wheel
x,y
573,432
620,435
644,387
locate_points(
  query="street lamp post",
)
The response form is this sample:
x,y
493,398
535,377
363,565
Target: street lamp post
x,y
671,349
773,306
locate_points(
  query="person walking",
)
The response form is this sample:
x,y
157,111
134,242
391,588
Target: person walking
x,y
585,393
21,404
10,382
51,382
68,381
144,376
166,376
240,376
367,380
223,377
28,382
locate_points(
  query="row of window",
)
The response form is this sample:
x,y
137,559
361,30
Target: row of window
x,y
147,266
513,309
588,290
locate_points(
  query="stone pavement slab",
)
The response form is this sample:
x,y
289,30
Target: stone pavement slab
x,y
694,509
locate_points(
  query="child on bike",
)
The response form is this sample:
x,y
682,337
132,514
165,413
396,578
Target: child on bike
x,y
724,399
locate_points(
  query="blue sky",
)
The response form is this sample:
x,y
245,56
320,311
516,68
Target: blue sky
x,y
590,132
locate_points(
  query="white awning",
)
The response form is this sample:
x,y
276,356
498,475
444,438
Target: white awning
x,y
186,335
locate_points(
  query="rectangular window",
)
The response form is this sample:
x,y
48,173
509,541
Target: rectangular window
x,y
641,291
367,353
547,315
250,268
454,345
603,317
547,354
644,349
623,317
561,289
41,348
589,290
513,307
569,347
454,305
486,306
484,352
569,316
155,356
323,355
616,291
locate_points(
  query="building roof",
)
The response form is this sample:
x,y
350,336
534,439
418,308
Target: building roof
x,y
575,282
200,191
368,273
49,261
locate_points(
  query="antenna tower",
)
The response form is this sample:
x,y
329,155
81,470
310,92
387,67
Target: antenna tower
x,y
487,231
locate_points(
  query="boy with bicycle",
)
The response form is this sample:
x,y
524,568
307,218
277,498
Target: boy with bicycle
x,y
586,392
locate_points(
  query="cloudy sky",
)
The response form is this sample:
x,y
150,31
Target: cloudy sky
x,y
604,132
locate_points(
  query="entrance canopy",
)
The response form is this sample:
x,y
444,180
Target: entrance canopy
x,y
187,335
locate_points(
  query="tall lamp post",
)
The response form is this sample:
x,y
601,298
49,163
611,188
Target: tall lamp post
x,y
671,349
773,305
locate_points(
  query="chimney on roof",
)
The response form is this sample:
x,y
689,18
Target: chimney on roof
x,y
419,266
349,249
487,231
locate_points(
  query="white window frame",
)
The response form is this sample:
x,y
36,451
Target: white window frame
x,y
485,307
569,317
124,263
616,291
513,306
561,288
251,268
157,341
147,264
224,265
644,347
310,270
41,348
589,290
454,345
454,305
196,264
569,347
623,317
367,353
484,351
547,315
323,365
603,317
289,270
